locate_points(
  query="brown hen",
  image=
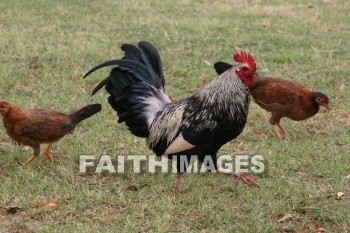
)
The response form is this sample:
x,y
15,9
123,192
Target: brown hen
x,y
283,98
37,126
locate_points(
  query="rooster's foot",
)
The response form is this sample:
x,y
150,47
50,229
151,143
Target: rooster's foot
x,y
246,179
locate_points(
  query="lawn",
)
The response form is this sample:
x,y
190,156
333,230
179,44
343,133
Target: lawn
x,y
47,46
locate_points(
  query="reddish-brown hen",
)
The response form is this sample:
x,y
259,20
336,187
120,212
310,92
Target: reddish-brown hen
x,y
37,126
283,98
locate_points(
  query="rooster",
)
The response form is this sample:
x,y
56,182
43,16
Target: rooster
x,y
283,98
198,125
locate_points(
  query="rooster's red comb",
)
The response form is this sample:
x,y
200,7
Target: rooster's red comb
x,y
245,58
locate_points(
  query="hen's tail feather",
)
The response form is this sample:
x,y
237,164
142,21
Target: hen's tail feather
x,y
67,128
221,67
85,113
136,86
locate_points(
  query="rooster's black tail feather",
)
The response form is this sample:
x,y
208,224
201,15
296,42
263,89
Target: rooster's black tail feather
x,y
136,86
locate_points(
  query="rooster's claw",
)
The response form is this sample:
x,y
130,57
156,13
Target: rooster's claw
x,y
246,179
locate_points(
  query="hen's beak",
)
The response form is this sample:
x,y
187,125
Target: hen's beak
x,y
326,106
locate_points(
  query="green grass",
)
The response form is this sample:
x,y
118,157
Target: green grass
x,y
47,46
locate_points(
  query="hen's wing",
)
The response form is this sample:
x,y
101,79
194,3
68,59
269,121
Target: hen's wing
x,y
277,94
44,125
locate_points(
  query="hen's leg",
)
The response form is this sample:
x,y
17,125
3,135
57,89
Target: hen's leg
x,y
275,122
36,153
277,133
246,179
178,183
48,154
285,133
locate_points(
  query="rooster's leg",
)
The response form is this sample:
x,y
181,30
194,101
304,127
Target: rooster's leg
x,y
285,133
48,154
178,183
246,179
36,153
275,130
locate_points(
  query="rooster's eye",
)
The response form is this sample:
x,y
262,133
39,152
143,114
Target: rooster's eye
x,y
244,68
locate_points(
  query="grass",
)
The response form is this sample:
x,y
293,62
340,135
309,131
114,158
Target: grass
x,y
47,46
